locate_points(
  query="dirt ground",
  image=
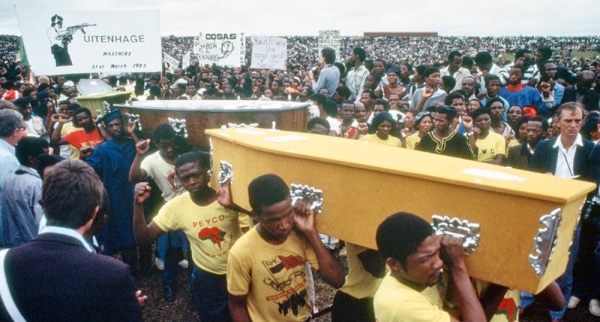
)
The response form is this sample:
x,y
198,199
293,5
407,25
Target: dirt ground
x,y
157,309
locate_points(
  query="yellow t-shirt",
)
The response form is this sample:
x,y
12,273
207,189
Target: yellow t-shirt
x,y
490,147
66,129
412,140
271,276
373,138
359,283
396,302
211,230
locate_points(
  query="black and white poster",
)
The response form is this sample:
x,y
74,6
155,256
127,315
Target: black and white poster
x,y
111,42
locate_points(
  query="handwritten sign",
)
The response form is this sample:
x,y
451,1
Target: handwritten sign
x,y
269,53
221,48
330,39
170,62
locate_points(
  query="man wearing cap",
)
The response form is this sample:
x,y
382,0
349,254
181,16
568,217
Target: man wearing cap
x,y
11,130
112,161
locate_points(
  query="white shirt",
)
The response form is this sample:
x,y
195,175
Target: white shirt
x,y
565,161
67,232
334,124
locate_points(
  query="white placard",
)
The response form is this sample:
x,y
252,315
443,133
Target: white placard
x,y
269,53
68,42
221,48
331,39
186,60
170,62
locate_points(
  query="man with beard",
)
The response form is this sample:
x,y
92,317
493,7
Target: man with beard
x,y
582,92
276,89
355,80
410,291
84,139
112,161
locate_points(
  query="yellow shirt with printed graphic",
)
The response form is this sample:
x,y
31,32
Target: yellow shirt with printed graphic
x,y
273,277
490,147
211,230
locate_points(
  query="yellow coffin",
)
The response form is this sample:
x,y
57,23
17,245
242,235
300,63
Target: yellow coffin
x,y
364,183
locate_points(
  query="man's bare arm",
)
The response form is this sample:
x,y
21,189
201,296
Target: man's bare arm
x,y
144,234
329,268
238,308
454,258
136,173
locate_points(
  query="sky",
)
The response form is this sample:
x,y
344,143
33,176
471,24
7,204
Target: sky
x,y
307,17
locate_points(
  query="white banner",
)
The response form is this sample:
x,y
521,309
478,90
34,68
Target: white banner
x,y
223,49
186,60
170,63
331,39
269,53
111,42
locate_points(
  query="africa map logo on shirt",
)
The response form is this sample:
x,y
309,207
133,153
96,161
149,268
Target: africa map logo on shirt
x,y
284,270
214,234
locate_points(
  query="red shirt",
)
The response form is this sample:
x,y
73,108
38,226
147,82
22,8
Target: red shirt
x,y
80,139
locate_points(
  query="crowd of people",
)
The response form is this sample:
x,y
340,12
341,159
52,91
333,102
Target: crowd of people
x,y
93,184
